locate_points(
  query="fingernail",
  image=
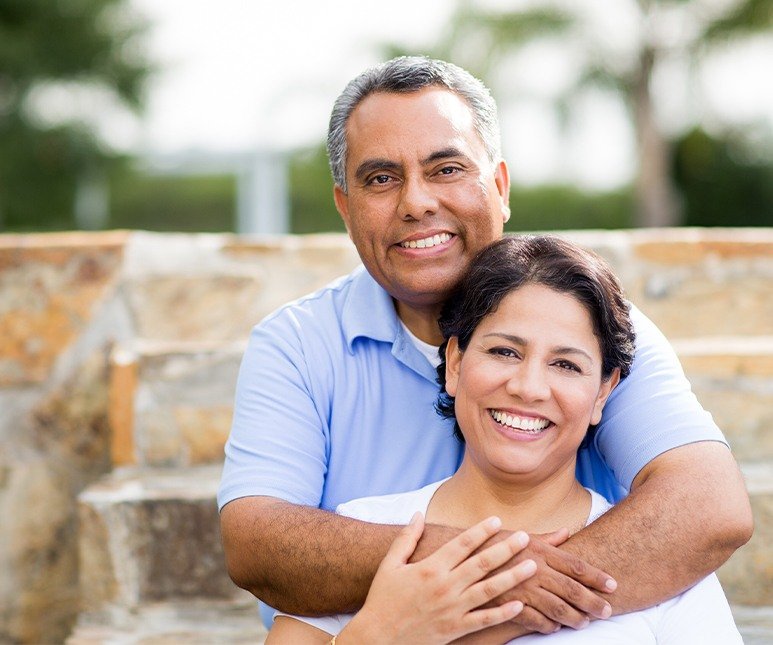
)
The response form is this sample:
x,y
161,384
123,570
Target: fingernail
x,y
584,624
494,522
528,566
606,612
415,518
516,607
610,584
522,538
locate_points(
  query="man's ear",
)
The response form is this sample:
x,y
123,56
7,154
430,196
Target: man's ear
x,y
453,363
604,392
502,181
341,200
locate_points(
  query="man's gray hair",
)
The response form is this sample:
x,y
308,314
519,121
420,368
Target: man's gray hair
x,y
411,74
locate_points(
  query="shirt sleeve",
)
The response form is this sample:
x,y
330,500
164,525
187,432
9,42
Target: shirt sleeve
x,y
279,441
652,410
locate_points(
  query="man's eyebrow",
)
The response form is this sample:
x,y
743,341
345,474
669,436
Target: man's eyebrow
x,y
445,153
370,165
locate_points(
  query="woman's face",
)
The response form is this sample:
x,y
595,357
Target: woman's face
x,y
528,384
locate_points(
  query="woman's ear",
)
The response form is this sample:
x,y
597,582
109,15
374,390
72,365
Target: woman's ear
x,y
604,392
453,362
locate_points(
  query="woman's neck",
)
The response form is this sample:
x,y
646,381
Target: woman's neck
x,y
521,502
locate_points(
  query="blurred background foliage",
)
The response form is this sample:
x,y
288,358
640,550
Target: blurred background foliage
x,y
50,173
49,48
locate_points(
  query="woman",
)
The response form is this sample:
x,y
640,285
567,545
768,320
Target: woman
x,y
537,336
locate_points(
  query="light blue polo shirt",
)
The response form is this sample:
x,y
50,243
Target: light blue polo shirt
x,y
334,402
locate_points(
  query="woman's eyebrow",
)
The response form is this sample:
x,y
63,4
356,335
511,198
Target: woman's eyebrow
x,y
563,349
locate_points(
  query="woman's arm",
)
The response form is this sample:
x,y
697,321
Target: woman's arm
x,y
435,600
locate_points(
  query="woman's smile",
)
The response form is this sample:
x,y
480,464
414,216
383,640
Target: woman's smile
x,y
529,384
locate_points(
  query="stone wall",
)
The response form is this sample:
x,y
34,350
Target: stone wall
x,y
121,350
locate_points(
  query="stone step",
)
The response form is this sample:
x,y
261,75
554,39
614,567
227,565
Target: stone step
x,y
151,536
196,622
236,623
152,568
171,402
754,623
733,379
747,577
698,282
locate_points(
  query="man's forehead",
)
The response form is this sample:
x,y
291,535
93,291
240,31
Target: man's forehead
x,y
433,102
430,113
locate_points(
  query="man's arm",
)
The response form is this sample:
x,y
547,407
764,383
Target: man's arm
x,y
687,513
299,559
307,561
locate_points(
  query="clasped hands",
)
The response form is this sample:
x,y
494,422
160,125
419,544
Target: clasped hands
x,y
448,595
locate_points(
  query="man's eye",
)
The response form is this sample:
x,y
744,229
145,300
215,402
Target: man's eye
x,y
379,179
448,170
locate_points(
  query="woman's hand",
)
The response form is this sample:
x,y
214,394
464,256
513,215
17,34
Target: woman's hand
x,y
437,599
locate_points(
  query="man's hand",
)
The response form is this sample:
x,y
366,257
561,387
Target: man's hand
x,y
564,589
562,592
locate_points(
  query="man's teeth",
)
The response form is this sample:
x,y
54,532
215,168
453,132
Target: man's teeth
x,y
529,424
427,242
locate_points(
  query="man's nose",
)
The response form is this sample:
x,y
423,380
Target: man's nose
x,y
417,199
528,382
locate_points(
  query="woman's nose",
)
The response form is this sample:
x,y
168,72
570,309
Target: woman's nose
x,y
528,382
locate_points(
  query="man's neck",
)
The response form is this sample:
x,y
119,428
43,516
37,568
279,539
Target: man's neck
x,y
421,321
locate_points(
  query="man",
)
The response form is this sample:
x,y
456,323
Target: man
x,y
336,391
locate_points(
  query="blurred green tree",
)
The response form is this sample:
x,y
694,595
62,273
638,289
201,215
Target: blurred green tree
x,y
481,38
721,183
54,58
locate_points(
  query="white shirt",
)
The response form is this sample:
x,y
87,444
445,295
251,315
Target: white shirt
x,y
700,615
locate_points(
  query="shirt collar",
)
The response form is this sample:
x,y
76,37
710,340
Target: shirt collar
x,y
370,312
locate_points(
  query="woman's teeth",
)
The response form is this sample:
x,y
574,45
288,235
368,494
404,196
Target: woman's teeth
x,y
526,424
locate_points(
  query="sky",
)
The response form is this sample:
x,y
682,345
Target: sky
x,y
239,75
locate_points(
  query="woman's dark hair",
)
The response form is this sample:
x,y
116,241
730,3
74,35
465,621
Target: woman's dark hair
x,y
511,263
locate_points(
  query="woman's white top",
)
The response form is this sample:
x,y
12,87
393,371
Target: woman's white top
x,y
699,615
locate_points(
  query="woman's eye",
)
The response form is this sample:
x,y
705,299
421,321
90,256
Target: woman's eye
x,y
568,365
503,351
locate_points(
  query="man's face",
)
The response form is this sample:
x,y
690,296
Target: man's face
x,y
423,197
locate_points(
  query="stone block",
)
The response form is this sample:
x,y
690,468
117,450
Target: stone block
x,y
702,282
49,285
122,390
184,402
733,379
194,622
216,289
748,576
150,537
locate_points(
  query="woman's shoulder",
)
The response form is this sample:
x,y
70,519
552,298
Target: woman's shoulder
x,y
397,508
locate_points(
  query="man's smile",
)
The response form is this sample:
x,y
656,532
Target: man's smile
x,y
427,242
